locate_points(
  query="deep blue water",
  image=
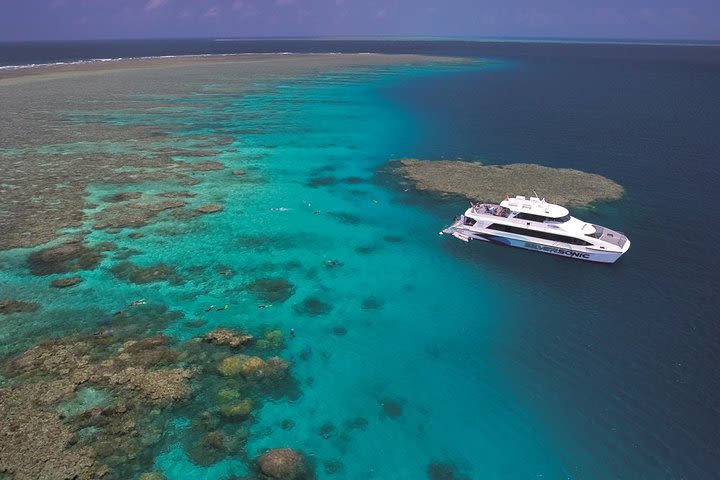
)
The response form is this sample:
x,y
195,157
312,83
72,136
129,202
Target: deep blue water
x,y
615,367
626,354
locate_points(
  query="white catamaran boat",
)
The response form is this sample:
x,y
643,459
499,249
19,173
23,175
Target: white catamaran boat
x,y
534,224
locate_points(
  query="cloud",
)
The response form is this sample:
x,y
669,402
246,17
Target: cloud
x,y
154,4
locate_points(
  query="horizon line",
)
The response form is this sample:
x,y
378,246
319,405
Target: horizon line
x,y
400,38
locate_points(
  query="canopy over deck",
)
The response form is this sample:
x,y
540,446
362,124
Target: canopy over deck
x,y
534,206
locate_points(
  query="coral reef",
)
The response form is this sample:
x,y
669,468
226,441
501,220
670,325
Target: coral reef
x,y
271,290
253,367
367,249
333,466
313,306
210,208
180,194
371,303
224,336
79,446
444,471
272,340
34,440
103,401
122,197
393,239
133,273
358,423
67,257
391,408
132,214
66,282
283,464
348,218
240,409
152,476
339,331
490,183
16,306
322,181
202,166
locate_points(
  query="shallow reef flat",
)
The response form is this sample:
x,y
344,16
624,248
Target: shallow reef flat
x,y
156,318
490,183
65,127
102,406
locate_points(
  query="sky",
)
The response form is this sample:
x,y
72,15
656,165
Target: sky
x,y
606,19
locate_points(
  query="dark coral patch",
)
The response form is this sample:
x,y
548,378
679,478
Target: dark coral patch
x,y
444,471
122,197
68,257
66,282
261,242
327,430
313,306
339,331
358,423
367,249
202,166
353,180
391,408
347,218
393,239
325,181
271,289
181,194
333,466
16,306
210,208
159,272
371,303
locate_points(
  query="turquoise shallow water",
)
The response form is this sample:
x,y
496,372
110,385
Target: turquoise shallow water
x,y
398,333
504,363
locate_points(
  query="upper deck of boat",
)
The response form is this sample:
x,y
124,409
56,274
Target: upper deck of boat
x,y
601,233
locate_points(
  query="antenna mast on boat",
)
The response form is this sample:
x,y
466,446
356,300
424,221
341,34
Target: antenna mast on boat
x,y
538,196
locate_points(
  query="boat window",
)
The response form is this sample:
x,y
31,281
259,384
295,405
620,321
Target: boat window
x,y
534,233
469,221
559,219
597,233
531,217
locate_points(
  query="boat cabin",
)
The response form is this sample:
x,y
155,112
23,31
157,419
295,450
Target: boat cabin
x,y
535,209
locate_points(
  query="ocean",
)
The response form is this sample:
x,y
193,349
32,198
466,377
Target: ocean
x,y
415,356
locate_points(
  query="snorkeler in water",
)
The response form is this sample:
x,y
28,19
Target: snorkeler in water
x,y
222,308
210,308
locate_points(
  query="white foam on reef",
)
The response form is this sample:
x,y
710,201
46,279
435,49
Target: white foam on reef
x,y
156,57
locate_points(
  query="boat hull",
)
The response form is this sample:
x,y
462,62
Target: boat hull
x,y
588,255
